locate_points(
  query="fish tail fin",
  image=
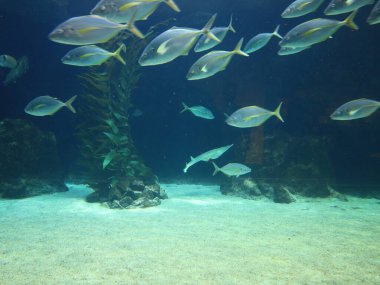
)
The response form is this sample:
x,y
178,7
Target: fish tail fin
x,y
116,54
70,102
277,112
230,27
216,168
185,107
130,26
207,29
349,21
238,47
276,34
173,5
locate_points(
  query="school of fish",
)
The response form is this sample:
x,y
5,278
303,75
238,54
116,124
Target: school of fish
x,y
110,17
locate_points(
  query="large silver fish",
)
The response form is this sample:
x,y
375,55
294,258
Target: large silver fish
x,y
301,7
88,30
252,116
260,40
47,106
232,169
315,31
345,6
173,43
199,111
205,43
206,156
355,109
91,55
122,11
374,16
213,62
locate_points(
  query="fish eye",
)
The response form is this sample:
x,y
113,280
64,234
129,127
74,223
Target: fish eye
x,y
59,31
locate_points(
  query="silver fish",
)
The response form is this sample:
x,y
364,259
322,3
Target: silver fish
x,y
374,16
301,7
199,111
232,169
173,43
7,61
87,30
122,11
213,62
205,43
47,106
252,116
355,109
345,6
260,40
206,156
315,31
91,55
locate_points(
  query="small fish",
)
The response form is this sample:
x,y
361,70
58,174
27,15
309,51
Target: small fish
x,y
345,6
252,116
289,51
301,7
199,111
316,31
355,109
206,43
260,40
87,30
122,11
374,16
213,62
91,55
7,61
206,156
232,169
47,106
173,43
18,71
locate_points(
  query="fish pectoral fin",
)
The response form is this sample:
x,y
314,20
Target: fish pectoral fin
x,y
204,68
163,48
87,55
353,112
39,106
87,30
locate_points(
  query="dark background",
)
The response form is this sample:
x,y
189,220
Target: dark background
x,y
311,84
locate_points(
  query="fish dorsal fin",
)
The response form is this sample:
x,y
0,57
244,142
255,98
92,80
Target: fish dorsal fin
x,y
192,158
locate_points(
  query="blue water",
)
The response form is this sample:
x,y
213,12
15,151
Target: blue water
x,y
311,85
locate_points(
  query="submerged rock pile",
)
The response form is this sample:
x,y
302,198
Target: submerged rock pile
x,y
29,164
135,194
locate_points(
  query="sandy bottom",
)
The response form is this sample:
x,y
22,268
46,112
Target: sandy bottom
x,y
197,236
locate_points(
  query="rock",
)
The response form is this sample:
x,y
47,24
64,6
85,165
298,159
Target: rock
x,y
137,185
246,188
125,202
30,163
283,195
336,194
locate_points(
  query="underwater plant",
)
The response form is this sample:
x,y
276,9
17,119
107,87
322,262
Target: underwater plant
x,y
108,158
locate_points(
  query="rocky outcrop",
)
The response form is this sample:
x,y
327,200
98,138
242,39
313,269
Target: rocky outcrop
x,y
29,164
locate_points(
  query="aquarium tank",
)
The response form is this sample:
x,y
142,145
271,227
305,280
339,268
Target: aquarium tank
x,y
189,142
